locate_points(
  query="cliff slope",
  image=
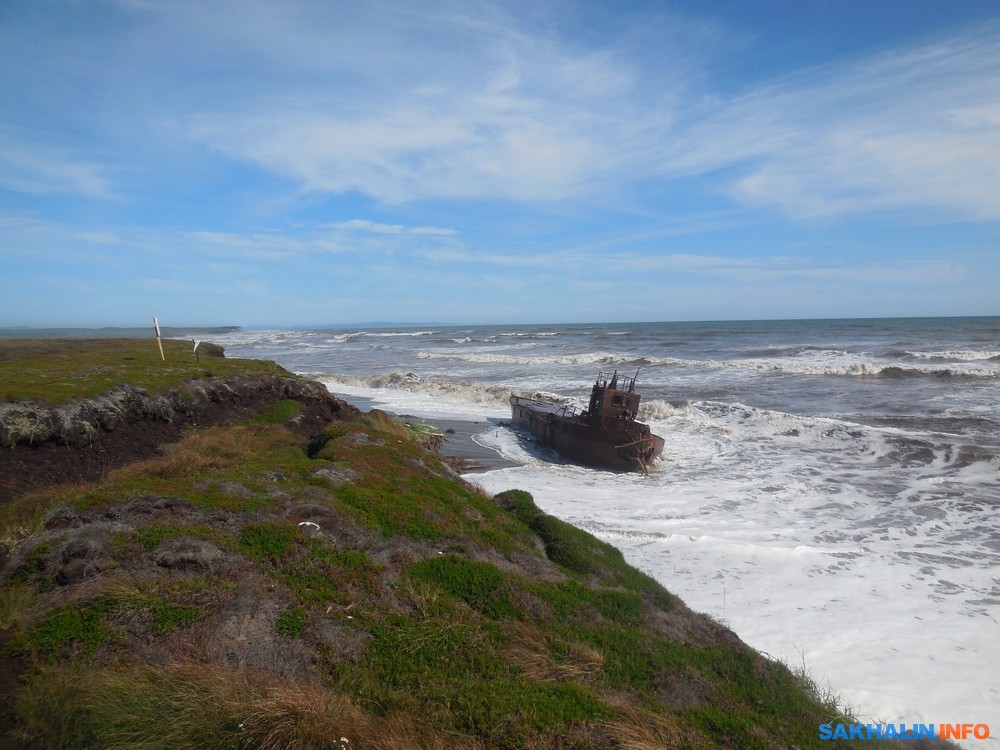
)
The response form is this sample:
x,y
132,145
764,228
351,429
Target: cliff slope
x,y
253,564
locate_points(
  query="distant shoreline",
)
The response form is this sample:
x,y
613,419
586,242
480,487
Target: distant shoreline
x,y
188,331
115,333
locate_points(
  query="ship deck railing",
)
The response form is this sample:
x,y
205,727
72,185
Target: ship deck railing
x,y
624,382
560,410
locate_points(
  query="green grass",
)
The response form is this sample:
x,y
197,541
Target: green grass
x,y
34,564
393,644
511,713
55,371
480,585
83,628
168,616
280,413
268,542
291,621
321,575
581,554
67,629
152,535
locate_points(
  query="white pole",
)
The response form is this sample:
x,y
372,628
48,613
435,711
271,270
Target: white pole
x,y
156,327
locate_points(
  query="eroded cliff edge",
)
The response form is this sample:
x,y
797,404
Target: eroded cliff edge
x,y
84,439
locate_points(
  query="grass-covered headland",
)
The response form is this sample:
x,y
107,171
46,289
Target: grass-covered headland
x,y
261,566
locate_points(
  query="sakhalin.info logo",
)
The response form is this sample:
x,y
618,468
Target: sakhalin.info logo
x,y
904,731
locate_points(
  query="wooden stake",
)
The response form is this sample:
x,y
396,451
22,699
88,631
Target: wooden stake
x,y
156,327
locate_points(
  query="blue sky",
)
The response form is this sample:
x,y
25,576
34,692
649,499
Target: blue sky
x,y
308,162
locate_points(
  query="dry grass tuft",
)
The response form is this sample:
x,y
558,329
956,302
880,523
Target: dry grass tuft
x,y
191,706
16,600
382,422
640,729
301,716
423,597
404,732
530,650
207,450
25,515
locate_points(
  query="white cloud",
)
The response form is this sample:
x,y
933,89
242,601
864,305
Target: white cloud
x,y
500,111
460,101
412,152
497,101
29,168
915,130
363,225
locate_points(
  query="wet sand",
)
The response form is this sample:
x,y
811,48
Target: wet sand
x,y
458,436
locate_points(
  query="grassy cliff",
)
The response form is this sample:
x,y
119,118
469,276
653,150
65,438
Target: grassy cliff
x,y
294,574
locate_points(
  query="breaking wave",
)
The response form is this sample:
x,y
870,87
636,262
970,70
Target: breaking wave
x,y
656,409
447,388
828,364
960,355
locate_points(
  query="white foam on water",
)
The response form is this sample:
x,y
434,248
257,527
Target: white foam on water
x,y
813,363
394,334
963,354
428,398
804,537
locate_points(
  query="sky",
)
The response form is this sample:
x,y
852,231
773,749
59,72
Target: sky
x,y
319,162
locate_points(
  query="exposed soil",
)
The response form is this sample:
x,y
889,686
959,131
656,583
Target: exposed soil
x,y
80,442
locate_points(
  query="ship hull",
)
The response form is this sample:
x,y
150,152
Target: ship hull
x,y
622,446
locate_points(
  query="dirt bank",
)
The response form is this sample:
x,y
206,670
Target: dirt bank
x,y
83,440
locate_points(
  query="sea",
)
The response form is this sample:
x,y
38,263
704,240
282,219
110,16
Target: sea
x,y
829,489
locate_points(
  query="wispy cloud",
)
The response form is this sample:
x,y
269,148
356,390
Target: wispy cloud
x,y
363,225
247,245
459,101
471,101
639,267
493,150
30,168
413,151
919,129
540,120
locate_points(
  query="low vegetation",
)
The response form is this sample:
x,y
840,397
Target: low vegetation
x,y
55,371
251,587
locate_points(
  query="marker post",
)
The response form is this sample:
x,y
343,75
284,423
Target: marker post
x,y
156,327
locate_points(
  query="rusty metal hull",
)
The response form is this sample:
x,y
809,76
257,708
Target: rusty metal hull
x,y
622,445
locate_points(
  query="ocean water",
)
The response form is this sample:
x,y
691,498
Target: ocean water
x,y
829,489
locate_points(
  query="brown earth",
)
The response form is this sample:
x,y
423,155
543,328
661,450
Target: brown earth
x,y
81,443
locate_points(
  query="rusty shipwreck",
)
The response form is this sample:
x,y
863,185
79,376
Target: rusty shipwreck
x,y
606,435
